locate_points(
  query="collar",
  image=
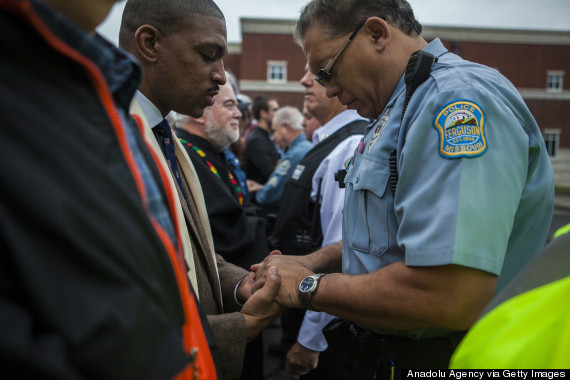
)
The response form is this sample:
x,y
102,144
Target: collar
x,y
151,113
121,72
436,48
297,140
334,124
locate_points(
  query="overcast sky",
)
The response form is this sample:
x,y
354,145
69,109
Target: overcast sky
x,y
511,14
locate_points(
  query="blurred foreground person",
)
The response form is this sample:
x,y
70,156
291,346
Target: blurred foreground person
x,y
91,283
528,323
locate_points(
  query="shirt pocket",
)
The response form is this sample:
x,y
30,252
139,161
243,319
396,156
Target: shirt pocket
x,y
367,206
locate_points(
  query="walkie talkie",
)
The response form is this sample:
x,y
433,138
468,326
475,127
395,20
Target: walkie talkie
x,y
417,72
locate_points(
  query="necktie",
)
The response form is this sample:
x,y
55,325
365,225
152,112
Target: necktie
x,y
164,135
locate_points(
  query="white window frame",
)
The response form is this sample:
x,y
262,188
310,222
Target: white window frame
x,y
552,141
554,80
272,67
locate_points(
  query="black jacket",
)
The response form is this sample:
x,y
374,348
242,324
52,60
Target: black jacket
x,y
86,286
238,227
260,156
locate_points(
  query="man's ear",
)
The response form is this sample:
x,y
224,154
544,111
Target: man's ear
x,y
378,31
263,114
147,40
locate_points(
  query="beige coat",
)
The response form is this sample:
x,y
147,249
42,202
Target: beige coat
x,y
217,299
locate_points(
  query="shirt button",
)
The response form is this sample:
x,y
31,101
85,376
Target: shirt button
x,y
357,179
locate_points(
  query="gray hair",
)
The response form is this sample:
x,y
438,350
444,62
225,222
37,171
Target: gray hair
x,y
342,17
165,15
289,115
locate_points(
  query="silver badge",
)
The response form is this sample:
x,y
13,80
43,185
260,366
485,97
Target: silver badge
x,y
380,127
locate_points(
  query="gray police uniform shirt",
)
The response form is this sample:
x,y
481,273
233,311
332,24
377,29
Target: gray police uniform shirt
x,y
475,182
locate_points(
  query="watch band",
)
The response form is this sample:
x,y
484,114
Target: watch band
x,y
305,296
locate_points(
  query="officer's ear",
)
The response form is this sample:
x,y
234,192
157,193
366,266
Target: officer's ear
x,y
378,32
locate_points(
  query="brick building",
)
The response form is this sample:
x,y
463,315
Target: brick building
x,y
268,61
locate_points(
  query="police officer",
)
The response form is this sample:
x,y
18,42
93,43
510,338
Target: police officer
x,y
444,202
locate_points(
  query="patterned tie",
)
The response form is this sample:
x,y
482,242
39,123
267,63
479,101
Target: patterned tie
x,y
164,134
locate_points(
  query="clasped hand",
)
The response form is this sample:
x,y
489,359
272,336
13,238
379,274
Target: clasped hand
x,y
291,271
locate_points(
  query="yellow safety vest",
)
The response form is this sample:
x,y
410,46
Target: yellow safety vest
x,y
529,331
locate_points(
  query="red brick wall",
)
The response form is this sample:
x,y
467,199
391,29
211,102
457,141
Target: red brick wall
x,y
232,62
294,99
257,49
552,114
524,65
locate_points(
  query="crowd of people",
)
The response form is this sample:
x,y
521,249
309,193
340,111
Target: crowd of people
x,y
155,220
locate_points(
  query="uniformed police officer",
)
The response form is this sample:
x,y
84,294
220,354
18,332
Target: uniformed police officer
x,y
444,202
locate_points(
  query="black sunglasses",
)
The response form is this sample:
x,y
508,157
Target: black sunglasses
x,y
324,75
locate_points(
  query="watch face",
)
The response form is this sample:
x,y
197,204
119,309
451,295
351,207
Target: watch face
x,y
307,284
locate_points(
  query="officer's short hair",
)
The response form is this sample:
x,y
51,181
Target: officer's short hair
x,y
342,17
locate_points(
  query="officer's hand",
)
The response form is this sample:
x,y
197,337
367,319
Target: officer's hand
x,y
255,267
291,272
261,308
301,360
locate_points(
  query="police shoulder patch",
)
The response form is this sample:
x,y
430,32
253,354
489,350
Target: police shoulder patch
x,y
461,128
283,167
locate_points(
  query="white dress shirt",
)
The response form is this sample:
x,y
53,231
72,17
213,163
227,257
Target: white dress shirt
x,y
332,202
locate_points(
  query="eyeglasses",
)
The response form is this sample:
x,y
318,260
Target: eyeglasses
x,y
324,75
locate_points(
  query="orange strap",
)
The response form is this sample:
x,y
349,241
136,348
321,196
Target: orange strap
x,y
195,342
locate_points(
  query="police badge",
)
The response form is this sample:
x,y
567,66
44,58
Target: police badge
x,y
461,128
380,127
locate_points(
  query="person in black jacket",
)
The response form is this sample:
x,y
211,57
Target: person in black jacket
x,y
260,156
90,283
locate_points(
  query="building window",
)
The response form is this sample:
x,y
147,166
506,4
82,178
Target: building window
x,y
554,81
552,140
277,71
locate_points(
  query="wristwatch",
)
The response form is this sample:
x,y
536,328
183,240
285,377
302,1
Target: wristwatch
x,y
307,288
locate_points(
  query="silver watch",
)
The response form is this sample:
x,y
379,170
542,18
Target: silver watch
x,y
307,288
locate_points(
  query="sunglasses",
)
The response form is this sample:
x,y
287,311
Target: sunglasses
x,y
324,75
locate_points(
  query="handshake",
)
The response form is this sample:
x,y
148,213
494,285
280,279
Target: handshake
x,y
270,288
